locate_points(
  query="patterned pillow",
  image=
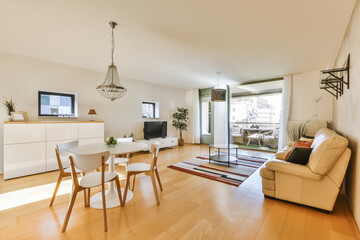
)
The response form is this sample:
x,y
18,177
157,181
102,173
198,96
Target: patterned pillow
x,y
303,144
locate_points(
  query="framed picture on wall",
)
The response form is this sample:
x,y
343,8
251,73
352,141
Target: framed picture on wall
x,y
19,116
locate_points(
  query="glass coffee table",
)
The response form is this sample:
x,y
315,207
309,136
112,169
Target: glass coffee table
x,y
224,158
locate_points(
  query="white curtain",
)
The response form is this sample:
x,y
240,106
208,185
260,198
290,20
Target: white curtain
x,y
193,104
285,111
221,121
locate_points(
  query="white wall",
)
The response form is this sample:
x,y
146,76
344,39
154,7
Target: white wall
x,y
22,77
305,86
347,109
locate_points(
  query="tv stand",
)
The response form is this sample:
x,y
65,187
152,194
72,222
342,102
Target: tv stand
x,y
164,142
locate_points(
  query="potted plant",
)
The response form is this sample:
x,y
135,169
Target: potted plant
x,y
9,104
179,122
111,142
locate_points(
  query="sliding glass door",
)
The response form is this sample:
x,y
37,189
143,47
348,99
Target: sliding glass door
x,y
255,115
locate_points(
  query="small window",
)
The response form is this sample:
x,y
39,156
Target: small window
x,y
57,104
150,109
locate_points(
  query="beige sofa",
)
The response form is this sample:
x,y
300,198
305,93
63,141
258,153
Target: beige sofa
x,y
315,184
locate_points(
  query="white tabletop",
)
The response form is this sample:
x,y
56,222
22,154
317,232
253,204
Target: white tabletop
x,y
120,148
230,146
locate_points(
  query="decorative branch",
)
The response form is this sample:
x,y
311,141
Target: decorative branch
x,y
296,131
9,104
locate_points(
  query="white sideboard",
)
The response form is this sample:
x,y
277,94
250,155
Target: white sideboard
x,y
164,142
29,147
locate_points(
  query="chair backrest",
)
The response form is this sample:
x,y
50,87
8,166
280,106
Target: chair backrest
x,y
62,152
275,132
129,139
327,148
89,162
154,155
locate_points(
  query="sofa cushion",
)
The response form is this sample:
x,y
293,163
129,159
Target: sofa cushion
x,y
327,148
299,155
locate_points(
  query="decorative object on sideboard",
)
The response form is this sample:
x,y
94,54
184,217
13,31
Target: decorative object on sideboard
x,y
111,87
19,116
130,136
179,122
218,94
296,131
9,104
57,104
92,114
336,79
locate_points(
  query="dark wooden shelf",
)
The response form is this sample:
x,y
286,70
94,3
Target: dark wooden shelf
x,y
334,81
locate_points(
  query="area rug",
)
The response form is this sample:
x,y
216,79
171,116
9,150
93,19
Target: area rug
x,y
233,175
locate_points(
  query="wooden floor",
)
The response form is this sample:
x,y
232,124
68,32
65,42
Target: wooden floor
x,y
190,207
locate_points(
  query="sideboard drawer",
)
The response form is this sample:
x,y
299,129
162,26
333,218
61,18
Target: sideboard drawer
x,y
24,159
23,133
62,131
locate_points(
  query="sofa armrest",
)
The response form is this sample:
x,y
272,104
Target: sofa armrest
x,y
292,169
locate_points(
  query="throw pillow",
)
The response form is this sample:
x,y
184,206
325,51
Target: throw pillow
x,y
303,144
299,155
306,138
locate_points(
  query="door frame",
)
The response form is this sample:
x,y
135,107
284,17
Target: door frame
x,y
205,96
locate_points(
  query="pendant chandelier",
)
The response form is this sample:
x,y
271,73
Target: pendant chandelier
x,y
218,94
111,87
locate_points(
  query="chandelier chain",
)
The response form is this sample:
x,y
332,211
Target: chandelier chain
x,y
112,46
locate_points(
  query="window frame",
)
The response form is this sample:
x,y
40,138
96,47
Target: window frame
x,y
71,95
154,106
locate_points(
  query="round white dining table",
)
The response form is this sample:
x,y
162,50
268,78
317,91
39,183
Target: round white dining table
x,y
111,195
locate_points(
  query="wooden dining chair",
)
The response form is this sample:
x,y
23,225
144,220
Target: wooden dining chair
x,y
150,169
85,163
62,155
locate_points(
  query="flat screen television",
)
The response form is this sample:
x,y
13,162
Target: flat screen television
x,y
155,129
57,104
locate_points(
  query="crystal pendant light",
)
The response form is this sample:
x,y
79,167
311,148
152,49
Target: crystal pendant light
x,y
218,94
111,87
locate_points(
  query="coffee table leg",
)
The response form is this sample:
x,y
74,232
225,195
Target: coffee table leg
x,y
236,155
228,157
209,153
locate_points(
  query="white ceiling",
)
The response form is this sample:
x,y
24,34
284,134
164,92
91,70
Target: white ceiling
x,y
180,43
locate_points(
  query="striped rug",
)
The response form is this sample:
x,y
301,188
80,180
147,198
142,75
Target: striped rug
x,y
233,175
